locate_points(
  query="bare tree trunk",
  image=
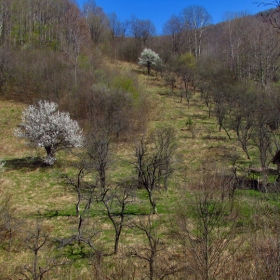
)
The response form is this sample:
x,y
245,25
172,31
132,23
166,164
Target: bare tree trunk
x,y
152,202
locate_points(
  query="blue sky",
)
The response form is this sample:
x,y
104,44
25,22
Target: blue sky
x,y
159,11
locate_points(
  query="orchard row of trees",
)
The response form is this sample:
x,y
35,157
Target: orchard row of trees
x,y
237,75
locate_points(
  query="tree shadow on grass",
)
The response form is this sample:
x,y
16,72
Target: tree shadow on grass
x,y
27,163
52,213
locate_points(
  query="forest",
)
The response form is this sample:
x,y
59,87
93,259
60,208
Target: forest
x,y
130,155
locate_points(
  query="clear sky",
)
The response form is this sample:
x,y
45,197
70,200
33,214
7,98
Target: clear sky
x,y
159,11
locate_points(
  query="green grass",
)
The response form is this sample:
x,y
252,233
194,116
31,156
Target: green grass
x,y
37,191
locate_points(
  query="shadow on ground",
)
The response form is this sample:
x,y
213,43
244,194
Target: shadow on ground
x,y
30,163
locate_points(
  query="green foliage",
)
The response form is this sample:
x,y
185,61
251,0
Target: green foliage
x,y
125,84
76,251
19,36
187,59
35,36
84,62
100,76
189,122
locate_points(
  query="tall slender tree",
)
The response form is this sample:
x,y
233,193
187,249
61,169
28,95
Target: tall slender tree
x,y
196,19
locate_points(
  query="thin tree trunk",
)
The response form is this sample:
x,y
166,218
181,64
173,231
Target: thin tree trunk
x,y
153,204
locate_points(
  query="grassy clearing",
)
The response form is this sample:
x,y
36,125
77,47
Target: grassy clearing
x,y
38,193
10,117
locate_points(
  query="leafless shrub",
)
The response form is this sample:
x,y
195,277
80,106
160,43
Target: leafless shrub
x,y
155,252
267,257
206,230
37,242
153,164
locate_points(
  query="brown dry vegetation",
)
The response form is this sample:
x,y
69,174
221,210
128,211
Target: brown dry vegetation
x,y
36,192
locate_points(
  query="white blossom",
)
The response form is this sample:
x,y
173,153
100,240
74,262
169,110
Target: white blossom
x,y
149,58
45,126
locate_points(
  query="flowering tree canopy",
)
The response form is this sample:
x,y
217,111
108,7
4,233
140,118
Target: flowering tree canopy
x,y
149,58
44,126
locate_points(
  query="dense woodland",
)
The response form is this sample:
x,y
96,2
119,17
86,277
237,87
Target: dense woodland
x,y
141,199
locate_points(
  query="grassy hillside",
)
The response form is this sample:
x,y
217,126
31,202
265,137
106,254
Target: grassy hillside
x,y
34,194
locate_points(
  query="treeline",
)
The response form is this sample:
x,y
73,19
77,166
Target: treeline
x,y
242,45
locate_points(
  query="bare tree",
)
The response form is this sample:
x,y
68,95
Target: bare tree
x,y
112,110
186,71
115,199
155,252
84,189
245,35
170,81
98,153
154,167
6,11
74,38
271,16
263,53
8,223
262,139
236,26
142,30
36,241
174,28
118,28
267,255
31,22
196,19
207,243
118,31
97,21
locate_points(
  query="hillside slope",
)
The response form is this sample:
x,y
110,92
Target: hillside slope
x,y
31,192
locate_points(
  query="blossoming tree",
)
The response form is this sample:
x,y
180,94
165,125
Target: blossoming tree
x,y
149,58
45,126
